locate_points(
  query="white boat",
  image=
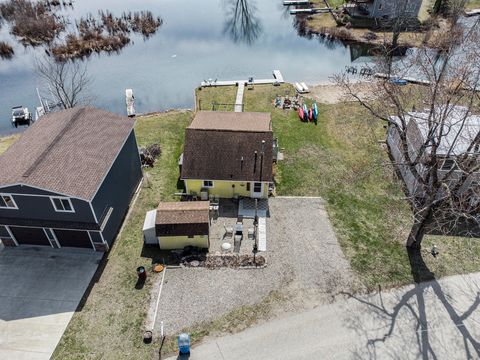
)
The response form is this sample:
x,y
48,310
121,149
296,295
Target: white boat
x,y
21,116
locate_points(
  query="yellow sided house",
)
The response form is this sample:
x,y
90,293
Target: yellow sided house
x,y
175,225
228,155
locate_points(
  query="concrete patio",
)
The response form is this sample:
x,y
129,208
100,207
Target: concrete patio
x,y
227,218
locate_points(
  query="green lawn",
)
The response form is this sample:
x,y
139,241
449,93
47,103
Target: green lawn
x,y
216,98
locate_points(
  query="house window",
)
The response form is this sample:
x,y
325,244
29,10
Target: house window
x,y
207,183
257,187
7,202
62,204
248,186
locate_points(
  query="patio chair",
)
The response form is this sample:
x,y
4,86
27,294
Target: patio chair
x,y
228,230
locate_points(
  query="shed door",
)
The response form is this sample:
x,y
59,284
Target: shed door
x,y
30,236
72,238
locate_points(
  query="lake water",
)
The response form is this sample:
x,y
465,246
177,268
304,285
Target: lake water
x,y
190,46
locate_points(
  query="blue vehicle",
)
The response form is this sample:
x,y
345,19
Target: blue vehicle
x,y
398,81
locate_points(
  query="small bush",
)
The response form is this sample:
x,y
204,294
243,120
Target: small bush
x,y
6,51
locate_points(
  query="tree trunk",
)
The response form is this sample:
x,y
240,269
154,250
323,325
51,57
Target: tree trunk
x,y
417,232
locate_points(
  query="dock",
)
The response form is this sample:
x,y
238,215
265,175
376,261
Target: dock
x,y
296,2
413,80
407,78
239,99
277,79
130,102
238,106
472,12
310,11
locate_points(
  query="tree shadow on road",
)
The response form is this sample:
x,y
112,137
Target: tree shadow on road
x,y
425,321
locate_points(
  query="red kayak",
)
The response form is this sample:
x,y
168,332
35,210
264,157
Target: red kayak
x,y
300,113
310,114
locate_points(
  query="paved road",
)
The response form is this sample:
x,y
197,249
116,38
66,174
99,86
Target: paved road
x,y
40,289
435,320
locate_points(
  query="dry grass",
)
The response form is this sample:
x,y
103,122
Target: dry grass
x,y
473,4
6,141
6,50
322,21
32,22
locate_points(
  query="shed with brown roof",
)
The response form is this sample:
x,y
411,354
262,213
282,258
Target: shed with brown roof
x,y
181,224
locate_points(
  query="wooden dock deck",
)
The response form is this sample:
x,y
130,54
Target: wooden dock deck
x,y
239,99
277,78
473,12
413,80
309,11
296,2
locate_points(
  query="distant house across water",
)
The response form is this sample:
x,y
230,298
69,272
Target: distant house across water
x,y
384,9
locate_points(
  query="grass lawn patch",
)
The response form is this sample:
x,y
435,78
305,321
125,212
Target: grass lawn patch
x,y
472,4
216,98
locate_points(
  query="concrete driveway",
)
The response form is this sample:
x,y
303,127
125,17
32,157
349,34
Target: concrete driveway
x,y
40,289
432,320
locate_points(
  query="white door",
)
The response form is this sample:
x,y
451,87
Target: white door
x,y
257,190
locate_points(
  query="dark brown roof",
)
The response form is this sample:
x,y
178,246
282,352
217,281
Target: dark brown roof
x,y
226,151
186,212
67,152
234,121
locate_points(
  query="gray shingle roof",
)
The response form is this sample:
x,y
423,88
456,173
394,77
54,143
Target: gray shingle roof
x,y
67,152
222,146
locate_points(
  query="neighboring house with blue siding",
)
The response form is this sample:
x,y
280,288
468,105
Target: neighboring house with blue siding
x,y
69,179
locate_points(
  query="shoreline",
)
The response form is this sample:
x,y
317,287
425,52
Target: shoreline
x,y
326,25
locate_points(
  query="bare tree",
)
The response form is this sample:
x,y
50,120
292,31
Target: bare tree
x,y
67,81
436,149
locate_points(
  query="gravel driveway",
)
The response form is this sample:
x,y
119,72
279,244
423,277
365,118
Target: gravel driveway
x,y
304,262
